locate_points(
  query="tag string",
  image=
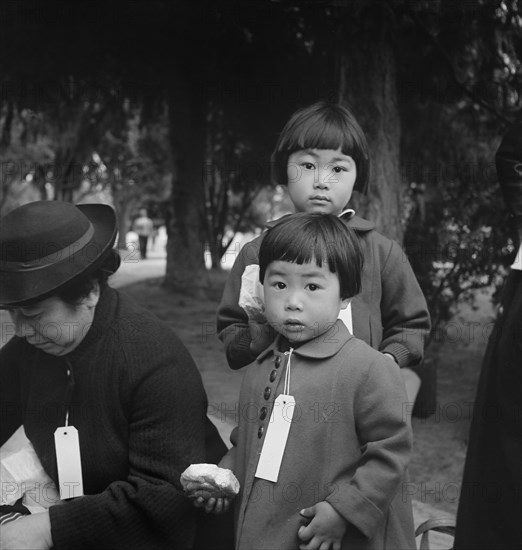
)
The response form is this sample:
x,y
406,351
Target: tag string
x,y
286,386
69,391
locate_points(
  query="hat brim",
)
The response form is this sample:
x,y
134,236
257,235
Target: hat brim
x,y
23,287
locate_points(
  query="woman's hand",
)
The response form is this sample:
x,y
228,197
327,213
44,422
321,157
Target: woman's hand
x,y
326,530
32,532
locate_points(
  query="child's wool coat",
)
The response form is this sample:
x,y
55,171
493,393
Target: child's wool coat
x,y
349,444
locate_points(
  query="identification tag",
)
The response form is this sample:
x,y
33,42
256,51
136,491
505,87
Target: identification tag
x,y
275,438
69,462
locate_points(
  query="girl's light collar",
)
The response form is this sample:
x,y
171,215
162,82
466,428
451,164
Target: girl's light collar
x,y
348,212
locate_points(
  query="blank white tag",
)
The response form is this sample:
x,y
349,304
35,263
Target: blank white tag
x,y
275,438
346,317
69,462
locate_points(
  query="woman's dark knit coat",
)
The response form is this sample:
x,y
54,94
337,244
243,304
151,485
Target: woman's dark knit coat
x,y
137,400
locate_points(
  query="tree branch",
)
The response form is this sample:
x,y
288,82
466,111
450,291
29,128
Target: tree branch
x,y
451,70
247,201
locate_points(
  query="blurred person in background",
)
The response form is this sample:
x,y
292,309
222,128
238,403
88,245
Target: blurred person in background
x,y
144,228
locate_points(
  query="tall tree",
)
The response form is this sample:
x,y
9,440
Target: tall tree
x,y
258,61
455,113
368,82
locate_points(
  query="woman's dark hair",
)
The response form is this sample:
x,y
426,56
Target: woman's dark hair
x,y
304,238
323,125
80,287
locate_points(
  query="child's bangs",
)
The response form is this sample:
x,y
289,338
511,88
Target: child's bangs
x,y
304,249
328,135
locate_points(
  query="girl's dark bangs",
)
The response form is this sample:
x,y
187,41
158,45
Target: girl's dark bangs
x,y
329,135
296,252
300,251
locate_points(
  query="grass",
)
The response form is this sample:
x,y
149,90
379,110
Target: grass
x,y
439,441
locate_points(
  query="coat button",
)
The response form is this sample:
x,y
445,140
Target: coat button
x,y
277,362
273,375
267,392
262,414
260,432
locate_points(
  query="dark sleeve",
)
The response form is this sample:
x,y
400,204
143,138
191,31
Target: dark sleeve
x,y
363,497
148,509
10,397
404,312
232,321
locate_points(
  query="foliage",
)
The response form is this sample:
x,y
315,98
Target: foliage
x,y
51,154
231,182
132,161
454,113
245,66
23,150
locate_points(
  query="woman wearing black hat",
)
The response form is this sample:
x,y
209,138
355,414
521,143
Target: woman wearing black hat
x,y
109,397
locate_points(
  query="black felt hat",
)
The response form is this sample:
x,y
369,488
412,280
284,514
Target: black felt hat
x,y
45,245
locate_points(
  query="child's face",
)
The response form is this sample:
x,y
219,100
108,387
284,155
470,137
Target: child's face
x,y
320,180
302,301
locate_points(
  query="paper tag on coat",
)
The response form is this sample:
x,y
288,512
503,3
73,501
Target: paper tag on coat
x,y
69,462
346,317
275,438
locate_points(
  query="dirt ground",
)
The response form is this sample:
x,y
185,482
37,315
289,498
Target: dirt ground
x,y
439,440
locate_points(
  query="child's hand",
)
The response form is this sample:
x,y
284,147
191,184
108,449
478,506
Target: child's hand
x,y
326,530
213,505
209,486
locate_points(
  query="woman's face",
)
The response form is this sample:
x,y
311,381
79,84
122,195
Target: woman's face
x,y
53,325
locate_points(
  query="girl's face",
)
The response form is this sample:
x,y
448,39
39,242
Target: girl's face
x,y
53,325
320,180
302,301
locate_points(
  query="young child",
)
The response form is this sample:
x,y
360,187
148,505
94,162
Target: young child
x,y
326,401
322,156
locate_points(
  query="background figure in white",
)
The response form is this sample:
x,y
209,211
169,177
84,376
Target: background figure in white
x,y
144,228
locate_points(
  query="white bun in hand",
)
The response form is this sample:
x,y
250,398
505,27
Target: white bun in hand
x,y
209,481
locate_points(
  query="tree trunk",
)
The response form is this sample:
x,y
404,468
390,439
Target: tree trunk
x,y
368,84
215,256
124,207
185,261
67,176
